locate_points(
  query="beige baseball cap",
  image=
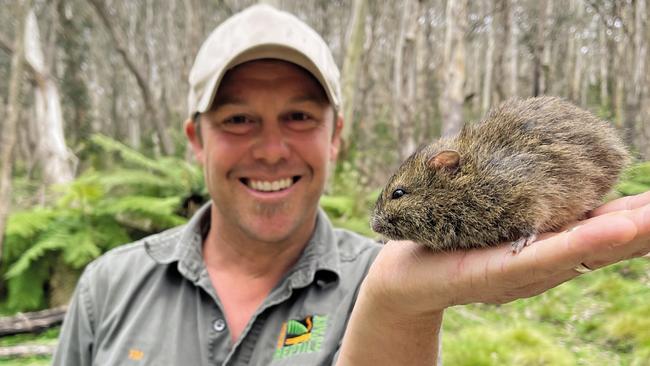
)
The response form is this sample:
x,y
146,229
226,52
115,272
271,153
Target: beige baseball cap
x,y
258,32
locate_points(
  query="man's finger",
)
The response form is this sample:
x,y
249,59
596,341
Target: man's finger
x,y
596,241
625,203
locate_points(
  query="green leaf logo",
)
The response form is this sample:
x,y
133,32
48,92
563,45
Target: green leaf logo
x,y
295,328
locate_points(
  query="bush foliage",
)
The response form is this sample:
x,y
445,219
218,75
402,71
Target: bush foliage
x,y
133,197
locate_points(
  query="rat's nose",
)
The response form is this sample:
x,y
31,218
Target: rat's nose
x,y
376,224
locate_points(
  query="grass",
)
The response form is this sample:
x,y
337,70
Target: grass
x,y
602,318
26,361
599,319
47,337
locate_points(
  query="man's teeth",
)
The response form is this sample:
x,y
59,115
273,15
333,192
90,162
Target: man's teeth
x,y
266,186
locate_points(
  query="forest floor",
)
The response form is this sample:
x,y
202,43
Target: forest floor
x,y
602,318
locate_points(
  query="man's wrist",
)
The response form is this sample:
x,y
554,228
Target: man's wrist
x,y
381,334
400,312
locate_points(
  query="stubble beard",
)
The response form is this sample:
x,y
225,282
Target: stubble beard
x,y
269,210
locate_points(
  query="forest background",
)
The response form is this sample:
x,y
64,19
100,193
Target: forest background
x,y
93,155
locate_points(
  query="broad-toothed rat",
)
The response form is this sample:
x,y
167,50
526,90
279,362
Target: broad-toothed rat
x,y
531,166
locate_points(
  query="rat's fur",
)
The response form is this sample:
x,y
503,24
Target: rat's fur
x,y
531,166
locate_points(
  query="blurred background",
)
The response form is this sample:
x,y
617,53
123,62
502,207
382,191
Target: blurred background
x,y
93,96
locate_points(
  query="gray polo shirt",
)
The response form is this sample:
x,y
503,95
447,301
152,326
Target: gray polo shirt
x,y
152,303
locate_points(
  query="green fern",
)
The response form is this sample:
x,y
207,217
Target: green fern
x,y
26,292
129,155
143,212
82,247
98,211
54,240
21,229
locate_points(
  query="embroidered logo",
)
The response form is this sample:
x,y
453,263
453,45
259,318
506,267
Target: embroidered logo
x,y
301,336
135,354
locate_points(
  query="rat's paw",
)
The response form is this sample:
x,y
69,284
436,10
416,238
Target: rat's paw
x,y
521,243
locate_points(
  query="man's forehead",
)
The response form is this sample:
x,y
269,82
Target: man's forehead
x,y
269,69
271,73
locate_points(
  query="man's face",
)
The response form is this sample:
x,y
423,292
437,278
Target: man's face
x,y
265,148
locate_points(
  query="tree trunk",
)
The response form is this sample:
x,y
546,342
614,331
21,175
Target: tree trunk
x,y
452,98
145,90
404,79
546,79
193,34
538,50
57,161
576,45
32,322
512,71
644,143
637,88
52,31
619,88
352,67
425,93
603,65
486,100
13,115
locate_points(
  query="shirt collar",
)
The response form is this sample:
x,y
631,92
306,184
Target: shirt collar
x,y
318,262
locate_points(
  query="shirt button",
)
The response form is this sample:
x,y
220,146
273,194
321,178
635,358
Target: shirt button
x,y
219,325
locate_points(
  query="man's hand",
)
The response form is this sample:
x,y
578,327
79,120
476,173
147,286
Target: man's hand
x,y
409,285
414,280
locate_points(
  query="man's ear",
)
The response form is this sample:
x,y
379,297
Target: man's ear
x,y
336,138
193,134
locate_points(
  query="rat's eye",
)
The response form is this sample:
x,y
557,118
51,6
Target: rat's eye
x,y
397,193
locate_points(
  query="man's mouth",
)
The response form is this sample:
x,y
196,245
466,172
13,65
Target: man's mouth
x,y
270,186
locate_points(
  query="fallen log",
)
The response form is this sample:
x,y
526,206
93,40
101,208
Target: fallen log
x,y
32,322
27,350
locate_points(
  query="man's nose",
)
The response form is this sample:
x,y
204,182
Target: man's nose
x,y
271,145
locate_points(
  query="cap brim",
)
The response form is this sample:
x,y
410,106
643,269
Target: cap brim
x,y
267,51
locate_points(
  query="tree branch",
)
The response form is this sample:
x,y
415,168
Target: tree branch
x,y
120,46
27,350
32,322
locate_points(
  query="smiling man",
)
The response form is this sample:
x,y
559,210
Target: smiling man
x,y
266,144
259,276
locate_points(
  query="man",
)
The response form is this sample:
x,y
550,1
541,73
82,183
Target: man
x,y
259,276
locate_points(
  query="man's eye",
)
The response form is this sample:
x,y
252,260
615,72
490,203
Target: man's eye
x,y
238,124
237,120
298,116
300,121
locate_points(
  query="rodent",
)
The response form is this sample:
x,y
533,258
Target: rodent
x,y
531,166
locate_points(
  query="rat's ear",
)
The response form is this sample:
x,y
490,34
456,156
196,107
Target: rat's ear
x,y
447,160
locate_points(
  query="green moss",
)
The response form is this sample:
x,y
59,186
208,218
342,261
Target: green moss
x,y
631,327
520,345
